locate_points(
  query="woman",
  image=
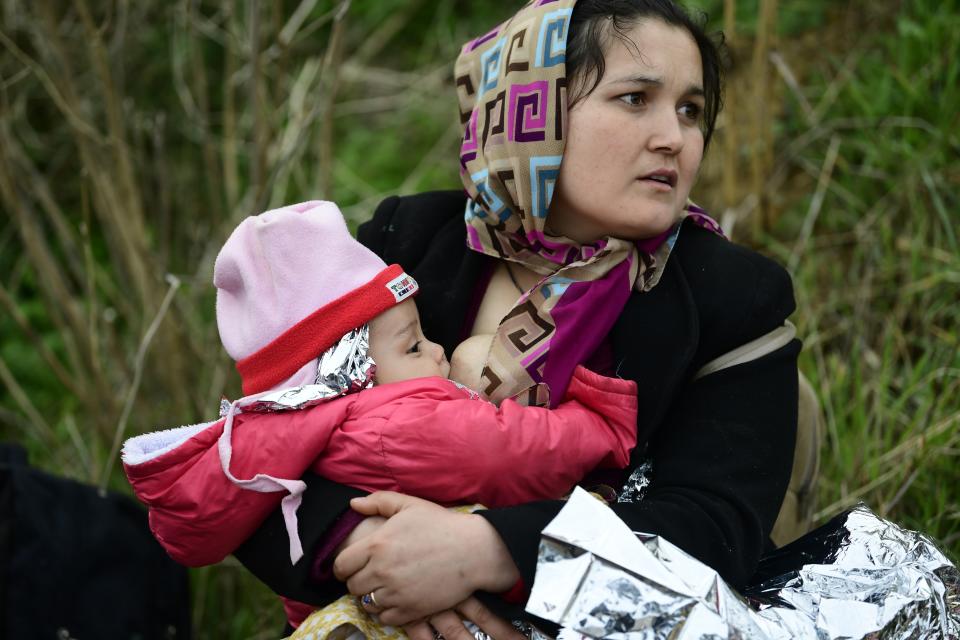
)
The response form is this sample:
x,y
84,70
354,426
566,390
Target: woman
x,y
626,93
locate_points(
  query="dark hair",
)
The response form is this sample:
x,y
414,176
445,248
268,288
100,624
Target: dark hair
x,y
594,21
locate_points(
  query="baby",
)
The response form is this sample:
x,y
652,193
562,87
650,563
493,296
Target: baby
x,y
340,380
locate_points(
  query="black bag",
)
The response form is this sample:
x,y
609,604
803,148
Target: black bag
x,y
77,564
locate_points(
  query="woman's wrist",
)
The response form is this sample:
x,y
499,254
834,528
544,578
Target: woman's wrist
x,y
494,567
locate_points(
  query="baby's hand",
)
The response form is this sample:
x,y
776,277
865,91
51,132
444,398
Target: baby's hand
x,y
468,359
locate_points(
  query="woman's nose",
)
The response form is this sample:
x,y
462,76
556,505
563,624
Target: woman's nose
x,y
666,135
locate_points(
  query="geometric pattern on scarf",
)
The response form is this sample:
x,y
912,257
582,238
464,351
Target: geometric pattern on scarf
x,y
512,89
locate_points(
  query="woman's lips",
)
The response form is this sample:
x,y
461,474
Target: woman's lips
x,y
661,180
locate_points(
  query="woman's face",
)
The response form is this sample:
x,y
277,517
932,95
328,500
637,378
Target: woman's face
x,y
634,144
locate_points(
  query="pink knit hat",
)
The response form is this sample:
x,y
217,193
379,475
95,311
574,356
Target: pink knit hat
x,y
290,283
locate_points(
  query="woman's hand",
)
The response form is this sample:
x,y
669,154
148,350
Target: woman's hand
x,y
366,527
450,625
424,559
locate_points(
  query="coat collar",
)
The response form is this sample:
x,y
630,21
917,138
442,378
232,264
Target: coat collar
x,y
645,342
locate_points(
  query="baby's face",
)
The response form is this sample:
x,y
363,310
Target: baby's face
x,y
398,347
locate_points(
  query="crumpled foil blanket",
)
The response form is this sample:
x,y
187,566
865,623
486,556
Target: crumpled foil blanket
x,y
858,576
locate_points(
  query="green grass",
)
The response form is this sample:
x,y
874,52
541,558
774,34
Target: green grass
x,y
871,237
877,285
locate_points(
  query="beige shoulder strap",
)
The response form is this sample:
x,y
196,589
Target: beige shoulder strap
x,y
750,351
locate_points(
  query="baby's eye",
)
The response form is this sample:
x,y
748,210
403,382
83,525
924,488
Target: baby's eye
x,y
635,99
415,348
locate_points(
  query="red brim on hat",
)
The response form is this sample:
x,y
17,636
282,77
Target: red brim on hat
x,y
316,333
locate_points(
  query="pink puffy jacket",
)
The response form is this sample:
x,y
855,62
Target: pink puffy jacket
x,y
425,437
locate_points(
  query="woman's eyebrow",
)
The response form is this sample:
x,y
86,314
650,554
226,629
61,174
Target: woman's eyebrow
x,y
637,79
692,90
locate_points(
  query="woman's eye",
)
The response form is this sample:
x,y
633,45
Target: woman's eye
x,y
415,348
636,99
690,111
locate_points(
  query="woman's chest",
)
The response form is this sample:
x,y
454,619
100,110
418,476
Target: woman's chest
x,y
506,286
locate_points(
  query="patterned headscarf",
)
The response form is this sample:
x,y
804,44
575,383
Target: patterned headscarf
x,y
512,88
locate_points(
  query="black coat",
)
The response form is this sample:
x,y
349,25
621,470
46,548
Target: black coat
x,y
721,447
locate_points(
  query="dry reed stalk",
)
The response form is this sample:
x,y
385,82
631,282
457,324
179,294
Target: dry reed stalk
x,y
773,106
43,430
823,182
58,369
258,152
231,172
376,41
731,169
780,64
123,227
211,164
53,90
134,387
279,72
126,210
90,288
331,75
110,185
761,152
43,194
84,376
163,222
50,278
302,112
85,461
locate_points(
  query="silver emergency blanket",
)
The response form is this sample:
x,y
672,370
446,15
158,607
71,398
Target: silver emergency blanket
x,y
635,488
859,576
344,368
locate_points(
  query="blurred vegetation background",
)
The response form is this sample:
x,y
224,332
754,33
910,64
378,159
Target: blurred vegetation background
x,y
135,135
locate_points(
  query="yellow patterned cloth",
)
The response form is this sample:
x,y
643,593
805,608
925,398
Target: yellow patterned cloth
x,y
345,619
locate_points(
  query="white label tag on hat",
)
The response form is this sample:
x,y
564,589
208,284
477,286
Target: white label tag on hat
x,y
402,287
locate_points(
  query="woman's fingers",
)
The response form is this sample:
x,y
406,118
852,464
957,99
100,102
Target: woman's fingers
x,y
362,584
383,503
493,625
419,631
450,626
351,560
378,506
